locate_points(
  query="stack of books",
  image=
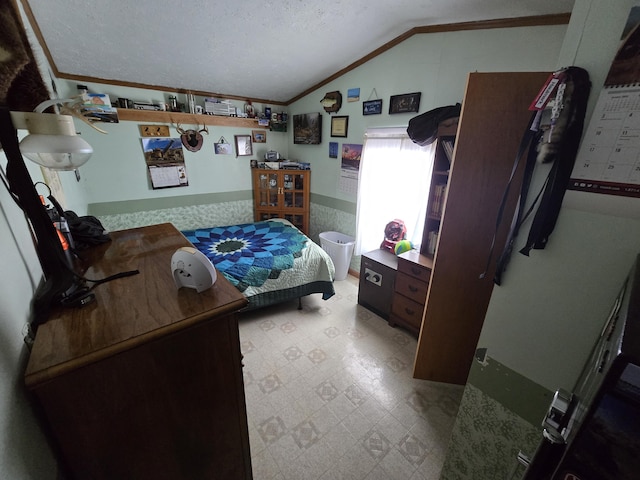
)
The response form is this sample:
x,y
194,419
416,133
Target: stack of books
x,y
432,241
447,146
437,199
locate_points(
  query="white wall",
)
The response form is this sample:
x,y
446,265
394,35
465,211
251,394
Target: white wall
x,y
23,450
544,319
117,169
435,64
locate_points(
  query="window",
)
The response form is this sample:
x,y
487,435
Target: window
x,y
394,184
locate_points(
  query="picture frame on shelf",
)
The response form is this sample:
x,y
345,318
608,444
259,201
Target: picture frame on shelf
x,y
244,146
372,107
405,103
339,126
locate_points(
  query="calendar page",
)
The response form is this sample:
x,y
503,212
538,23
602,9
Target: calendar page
x,y
348,182
609,157
165,162
350,168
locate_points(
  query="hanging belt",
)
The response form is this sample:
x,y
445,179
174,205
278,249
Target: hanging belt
x,y
529,134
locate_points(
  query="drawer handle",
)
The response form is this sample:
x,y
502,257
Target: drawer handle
x,y
409,311
412,289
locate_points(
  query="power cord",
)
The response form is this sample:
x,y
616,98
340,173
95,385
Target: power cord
x,y
83,295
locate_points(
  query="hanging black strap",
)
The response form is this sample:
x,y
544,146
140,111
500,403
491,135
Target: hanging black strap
x,y
575,109
524,145
520,216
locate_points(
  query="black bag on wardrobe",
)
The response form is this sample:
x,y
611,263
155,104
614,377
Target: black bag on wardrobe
x,y
423,129
86,231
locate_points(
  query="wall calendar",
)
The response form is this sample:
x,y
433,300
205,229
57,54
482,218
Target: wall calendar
x,y
609,157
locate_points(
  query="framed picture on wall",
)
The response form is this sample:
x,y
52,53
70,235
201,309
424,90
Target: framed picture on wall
x,y
372,107
307,128
259,136
405,103
339,126
244,146
222,147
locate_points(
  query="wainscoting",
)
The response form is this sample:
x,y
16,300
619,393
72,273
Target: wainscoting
x,y
183,217
186,216
499,415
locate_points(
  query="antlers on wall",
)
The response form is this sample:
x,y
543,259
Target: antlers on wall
x,y
181,131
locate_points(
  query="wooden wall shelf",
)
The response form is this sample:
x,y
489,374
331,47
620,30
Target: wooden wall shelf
x,y
134,115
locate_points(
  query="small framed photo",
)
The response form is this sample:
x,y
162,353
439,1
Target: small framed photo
x,y
259,136
244,147
222,148
372,107
339,126
405,103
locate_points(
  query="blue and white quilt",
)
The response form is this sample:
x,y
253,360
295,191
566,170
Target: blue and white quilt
x,y
268,261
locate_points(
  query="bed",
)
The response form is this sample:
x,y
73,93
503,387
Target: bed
x,y
269,262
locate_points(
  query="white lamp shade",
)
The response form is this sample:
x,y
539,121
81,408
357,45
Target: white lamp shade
x,y
58,152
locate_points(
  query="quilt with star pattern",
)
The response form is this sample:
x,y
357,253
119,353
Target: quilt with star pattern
x,y
269,262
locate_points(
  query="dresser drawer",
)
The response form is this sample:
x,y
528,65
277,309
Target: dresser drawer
x,y
406,312
411,288
415,266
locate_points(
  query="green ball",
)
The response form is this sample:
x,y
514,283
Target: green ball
x,y
402,246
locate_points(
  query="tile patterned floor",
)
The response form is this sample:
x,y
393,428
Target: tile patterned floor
x,y
330,395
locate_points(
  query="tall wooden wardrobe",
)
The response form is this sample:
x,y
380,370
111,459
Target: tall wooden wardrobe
x,y
492,122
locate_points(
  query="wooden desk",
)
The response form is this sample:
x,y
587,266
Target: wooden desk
x,y
146,382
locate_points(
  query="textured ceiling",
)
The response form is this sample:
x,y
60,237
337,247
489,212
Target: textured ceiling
x,y
262,49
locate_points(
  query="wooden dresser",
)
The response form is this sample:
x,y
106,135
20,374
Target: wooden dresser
x,y
146,382
412,283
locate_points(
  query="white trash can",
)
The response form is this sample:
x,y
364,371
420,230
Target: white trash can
x,y
340,248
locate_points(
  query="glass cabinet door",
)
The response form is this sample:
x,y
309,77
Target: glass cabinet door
x,y
282,194
268,193
293,185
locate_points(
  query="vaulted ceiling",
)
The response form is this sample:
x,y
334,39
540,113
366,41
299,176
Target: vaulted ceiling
x,y
275,50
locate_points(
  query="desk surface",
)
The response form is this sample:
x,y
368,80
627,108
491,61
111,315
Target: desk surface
x,y
128,311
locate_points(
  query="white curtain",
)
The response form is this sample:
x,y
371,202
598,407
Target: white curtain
x,y
395,174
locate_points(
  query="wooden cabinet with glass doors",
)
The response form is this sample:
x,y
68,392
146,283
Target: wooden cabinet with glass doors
x,y
282,194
